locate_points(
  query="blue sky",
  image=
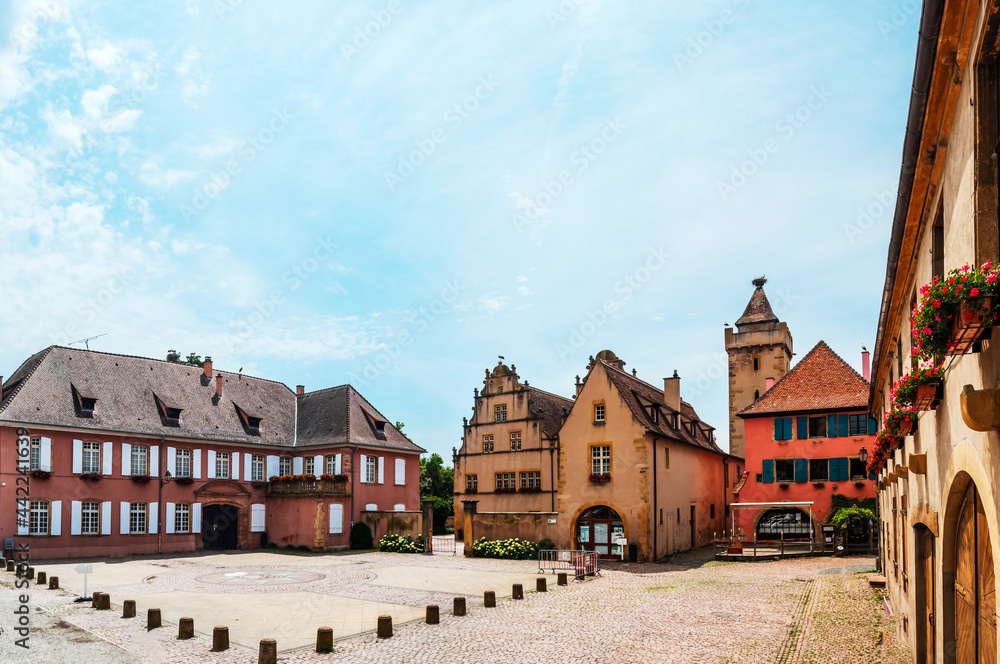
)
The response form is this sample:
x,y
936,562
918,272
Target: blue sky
x,y
392,194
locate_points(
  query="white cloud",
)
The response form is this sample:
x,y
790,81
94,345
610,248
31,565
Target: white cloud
x,y
195,84
95,102
156,177
104,58
493,302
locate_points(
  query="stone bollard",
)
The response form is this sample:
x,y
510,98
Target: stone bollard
x,y
128,608
31,573
42,578
153,619
540,585
433,614
103,602
93,599
54,583
324,639
459,609
10,565
489,599
384,627
517,592
562,580
268,653
185,628
220,639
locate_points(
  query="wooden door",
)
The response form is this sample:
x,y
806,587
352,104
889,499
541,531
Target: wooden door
x,y
926,554
975,601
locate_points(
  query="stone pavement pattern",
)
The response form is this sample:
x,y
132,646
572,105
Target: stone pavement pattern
x,y
690,611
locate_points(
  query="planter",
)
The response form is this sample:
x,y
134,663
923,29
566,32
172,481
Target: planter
x,y
530,489
505,490
783,485
258,484
907,427
928,396
92,477
40,474
819,485
600,478
971,320
184,480
467,490
140,479
860,485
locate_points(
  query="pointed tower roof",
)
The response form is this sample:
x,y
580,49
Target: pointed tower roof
x,y
758,309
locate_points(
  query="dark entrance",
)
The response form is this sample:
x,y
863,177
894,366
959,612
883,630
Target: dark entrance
x,y
598,528
220,527
784,522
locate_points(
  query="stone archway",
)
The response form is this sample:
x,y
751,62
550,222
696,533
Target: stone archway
x,y
225,509
596,527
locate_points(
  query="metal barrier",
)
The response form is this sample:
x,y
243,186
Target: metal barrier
x,y
565,559
587,564
446,544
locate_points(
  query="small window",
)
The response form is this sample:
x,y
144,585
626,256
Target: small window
x,y
500,390
756,364
858,470
666,458
711,511
92,457
140,459
599,412
253,423
38,517
331,464
137,519
90,518
531,479
370,469
600,459
87,404
182,518
756,395
257,468
515,441
759,478
857,425
678,515
784,470
817,427
36,454
222,465
819,470
487,443
285,466
309,465
472,483
183,463
500,413
506,481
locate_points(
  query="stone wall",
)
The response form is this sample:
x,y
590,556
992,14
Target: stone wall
x,y
531,526
384,523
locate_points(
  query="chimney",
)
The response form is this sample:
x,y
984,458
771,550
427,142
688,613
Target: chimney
x,y
579,386
768,384
218,385
207,365
300,390
672,392
866,369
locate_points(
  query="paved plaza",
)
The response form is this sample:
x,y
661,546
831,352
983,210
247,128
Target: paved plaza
x,y
691,610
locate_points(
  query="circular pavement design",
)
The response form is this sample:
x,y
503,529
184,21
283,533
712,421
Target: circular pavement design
x,y
260,577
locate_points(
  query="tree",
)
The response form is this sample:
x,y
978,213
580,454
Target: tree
x,y
437,483
193,360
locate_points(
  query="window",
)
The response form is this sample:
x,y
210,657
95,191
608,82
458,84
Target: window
x,y
819,470
506,481
937,246
756,364
531,479
784,470
257,468
666,458
92,458
599,412
500,413
137,518
309,465
515,441
370,469
38,517
87,404
331,464
487,443
285,466
782,428
500,390
600,459
817,427
711,511
858,470
222,465
858,425
759,477
472,483
139,460
36,454
182,518
90,519
756,395
182,463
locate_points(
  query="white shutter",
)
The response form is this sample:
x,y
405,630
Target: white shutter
x,y
371,507
247,468
106,517
45,460
381,470
154,461
109,453
172,461
154,508
257,518
363,471
336,465
196,518
168,516
55,516
123,519
234,466
77,456
210,471
399,507
22,524
297,465
126,459
336,519
401,471
272,466
75,517
196,472
318,464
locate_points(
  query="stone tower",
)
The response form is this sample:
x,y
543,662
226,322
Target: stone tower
x,y
760,352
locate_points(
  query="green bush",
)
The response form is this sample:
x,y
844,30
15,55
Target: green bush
x,y
361,536
400,544
509,549
546,544
845,514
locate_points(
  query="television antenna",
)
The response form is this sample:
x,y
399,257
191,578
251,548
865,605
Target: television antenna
x,y
86,342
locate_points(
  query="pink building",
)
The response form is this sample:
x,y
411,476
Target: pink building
x,y
126,455
803,436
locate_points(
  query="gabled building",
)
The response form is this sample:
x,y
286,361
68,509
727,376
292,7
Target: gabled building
x,y
134,455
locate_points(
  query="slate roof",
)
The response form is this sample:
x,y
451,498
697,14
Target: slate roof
x,y
758,308
640,395
127,388
342,414
550,408
821,380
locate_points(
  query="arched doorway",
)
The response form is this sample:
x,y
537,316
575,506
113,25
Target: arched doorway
x,y
220,527
597,528
975,587
784,523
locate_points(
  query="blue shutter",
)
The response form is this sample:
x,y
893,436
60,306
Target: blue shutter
x,y
845,425
802,470
778,429
788,428
831,426
839,469
872,426
803,426
873,476
768,471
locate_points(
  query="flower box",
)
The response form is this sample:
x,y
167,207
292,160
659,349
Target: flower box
x,y
140,479
92,477
471,489
907,426
819,485
258,484
600,478
329,477
955,311
530,489
860,485
783,485
185,480
928,396
40,474
969,323
509,489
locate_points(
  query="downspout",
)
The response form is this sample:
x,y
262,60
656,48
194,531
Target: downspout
x,y
552,476
656,526
725,492
354,474
160,507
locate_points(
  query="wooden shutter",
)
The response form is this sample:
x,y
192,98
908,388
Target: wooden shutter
x,y
257,518
196,517
400,471
169,518
336,465
77,456
336,519
75,517
803,427
123,518
768,471
196,465
45,454
845,426
779,429
381,470
210,468
126,459
153,465
297,466
172,461
802,470
872,426
55,518
106,462
831,426
788,428
106,517
151,518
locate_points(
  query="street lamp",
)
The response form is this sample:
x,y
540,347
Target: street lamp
x,y
863,457
166,477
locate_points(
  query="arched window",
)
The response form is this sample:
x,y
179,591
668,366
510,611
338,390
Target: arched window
x,y
786,522
598,528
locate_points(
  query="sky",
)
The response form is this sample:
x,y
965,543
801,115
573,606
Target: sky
x,y
393,194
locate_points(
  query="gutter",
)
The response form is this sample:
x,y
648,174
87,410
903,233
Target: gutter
x,y
930,27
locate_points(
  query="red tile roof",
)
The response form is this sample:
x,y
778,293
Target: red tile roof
x,y
821,380
758,308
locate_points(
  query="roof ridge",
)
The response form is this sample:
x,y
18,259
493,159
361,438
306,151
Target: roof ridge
x,y
327,389
532,388
631,377
24,381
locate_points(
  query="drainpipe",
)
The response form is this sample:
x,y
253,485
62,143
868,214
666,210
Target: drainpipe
x,y
552,475
161,511
354,474
656,526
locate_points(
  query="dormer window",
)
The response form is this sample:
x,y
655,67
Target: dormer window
x,y
83,404
377,425
170,413
251,423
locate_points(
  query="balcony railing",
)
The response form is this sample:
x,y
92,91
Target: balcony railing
x,y
299,487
